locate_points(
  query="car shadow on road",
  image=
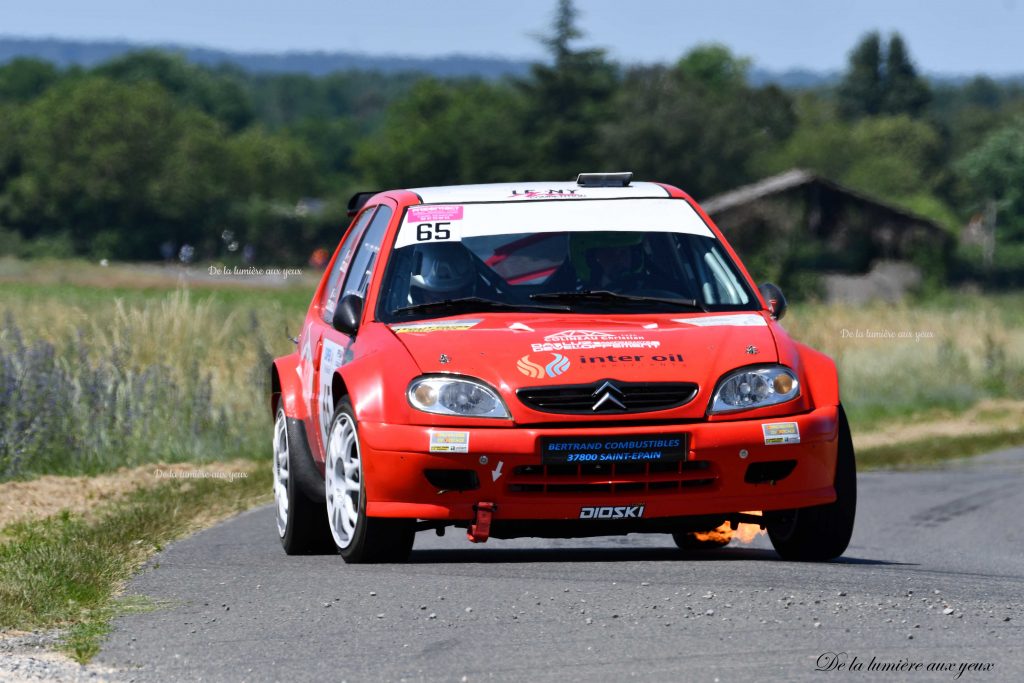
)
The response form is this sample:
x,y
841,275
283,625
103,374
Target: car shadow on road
x,y
611,555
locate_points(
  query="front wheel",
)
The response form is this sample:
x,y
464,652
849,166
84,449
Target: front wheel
x,y
822,532
300,520
360,539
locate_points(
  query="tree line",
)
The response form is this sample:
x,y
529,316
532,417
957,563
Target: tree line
x,y
144,154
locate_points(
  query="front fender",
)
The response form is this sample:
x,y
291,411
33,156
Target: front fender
x,y
286,387
378,396
820,376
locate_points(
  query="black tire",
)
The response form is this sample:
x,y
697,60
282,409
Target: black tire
x,y
373,540
823,532
687,540
306,531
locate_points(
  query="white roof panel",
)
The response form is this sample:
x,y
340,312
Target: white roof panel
x,y
454,222
505,192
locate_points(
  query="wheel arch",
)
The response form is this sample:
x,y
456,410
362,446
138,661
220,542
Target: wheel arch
x,y
821,376
339,389
286,387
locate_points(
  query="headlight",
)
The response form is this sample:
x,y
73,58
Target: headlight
x,y
454,396
755,388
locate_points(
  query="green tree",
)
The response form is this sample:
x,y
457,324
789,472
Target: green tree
x,y
447,133
23,79
715,68
881,84
994,171
567,101
124,167
218,94
862,89
87,154
905,91
271,166
697,125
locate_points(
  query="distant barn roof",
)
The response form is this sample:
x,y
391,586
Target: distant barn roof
x,y
795,178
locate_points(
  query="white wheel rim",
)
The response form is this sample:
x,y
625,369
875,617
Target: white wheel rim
x,y
281,472
343,476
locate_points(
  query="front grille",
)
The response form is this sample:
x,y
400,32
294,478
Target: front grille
x,y
629,397
622,477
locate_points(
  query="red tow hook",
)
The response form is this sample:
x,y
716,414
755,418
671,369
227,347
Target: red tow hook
x,y
480,529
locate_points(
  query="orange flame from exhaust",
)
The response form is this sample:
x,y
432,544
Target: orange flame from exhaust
x,y
725,533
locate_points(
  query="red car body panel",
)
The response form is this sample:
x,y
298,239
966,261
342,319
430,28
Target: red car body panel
x,y
374,370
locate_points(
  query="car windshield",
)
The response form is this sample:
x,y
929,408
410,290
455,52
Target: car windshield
x,y
446,267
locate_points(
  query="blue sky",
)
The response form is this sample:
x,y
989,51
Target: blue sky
x,y
948,36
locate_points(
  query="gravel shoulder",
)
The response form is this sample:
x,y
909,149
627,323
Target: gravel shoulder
x,y
30,656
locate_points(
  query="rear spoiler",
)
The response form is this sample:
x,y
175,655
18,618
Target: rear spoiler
x,y
358,201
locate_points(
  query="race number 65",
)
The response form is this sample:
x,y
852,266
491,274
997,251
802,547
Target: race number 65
x,y
433,231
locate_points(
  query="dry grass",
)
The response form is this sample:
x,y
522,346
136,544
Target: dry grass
x,y
180,375
913,362
83,273
22,501
172,329
987,417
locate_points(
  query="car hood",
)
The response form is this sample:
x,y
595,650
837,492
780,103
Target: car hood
x,y
512,352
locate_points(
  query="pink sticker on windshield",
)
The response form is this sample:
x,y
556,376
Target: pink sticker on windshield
x,y
439,212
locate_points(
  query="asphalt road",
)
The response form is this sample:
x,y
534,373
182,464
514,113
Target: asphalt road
x,y
934,575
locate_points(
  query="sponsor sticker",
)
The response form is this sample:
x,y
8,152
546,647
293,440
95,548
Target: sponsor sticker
x,y
538,368
776,433
636,448
572,340
612,359
449,325
547,194
738,320
449,442
612,512
438,212
331,358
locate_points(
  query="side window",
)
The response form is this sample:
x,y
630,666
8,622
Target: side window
x,y
358,277
333,289
710,271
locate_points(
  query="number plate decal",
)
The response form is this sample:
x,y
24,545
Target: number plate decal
x,y
612,449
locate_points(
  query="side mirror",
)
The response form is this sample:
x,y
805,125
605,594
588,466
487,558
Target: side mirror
x,y
774,298
347,314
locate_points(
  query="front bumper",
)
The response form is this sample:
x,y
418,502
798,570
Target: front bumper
x,y
714,479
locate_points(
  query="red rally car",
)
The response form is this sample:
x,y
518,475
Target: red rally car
x,y
552,360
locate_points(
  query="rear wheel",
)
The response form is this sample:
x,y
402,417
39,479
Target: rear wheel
x,y
301,521
359,538
822,532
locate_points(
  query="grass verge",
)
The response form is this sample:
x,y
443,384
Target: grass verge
x,y
67,570
935,450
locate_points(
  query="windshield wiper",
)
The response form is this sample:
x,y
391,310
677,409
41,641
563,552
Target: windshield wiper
x,y
474,303
604,296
